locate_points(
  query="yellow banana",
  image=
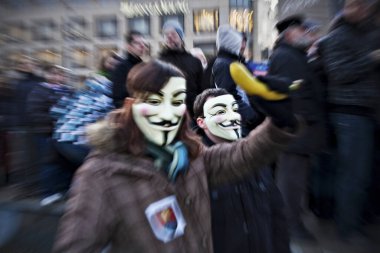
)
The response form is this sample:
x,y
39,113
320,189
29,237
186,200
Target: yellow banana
x,y
253,86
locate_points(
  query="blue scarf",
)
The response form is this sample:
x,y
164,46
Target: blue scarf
x,y
172,159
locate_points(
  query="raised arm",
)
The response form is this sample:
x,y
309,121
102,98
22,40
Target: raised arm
x,y
230,161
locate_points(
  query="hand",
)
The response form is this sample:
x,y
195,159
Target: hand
x,y
280,111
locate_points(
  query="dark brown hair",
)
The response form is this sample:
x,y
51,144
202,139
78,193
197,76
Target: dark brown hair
x,y
201,99
143,79
131,36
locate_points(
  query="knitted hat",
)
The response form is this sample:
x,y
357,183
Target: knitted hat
x,y
176,26
228,39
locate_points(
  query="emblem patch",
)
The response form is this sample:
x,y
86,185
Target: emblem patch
x,y
166,219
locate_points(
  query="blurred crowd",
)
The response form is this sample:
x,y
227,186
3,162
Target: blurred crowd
x,y
331,169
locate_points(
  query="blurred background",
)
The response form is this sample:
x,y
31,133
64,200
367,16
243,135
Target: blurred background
x,y
76,33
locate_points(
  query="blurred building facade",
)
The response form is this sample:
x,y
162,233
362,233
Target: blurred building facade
x,y
75,33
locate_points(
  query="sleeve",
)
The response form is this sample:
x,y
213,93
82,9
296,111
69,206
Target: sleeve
x,y
227,162
343,63
89,220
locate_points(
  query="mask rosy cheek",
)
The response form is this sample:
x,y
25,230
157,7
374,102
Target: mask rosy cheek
x,y
182,109
143,110
219,119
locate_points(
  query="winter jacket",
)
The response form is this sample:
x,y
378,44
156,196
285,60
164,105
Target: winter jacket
x,y
290,62
113,195
191,68
73,113
40,100
352,86
119,79
222,79
249,213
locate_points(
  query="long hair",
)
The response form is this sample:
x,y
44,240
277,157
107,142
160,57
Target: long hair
x,y
143,79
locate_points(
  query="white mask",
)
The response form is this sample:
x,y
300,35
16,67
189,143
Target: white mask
x,y
160,115
222,118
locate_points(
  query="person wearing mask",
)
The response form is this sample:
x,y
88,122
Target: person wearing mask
x,y
350,56
136,48
174,52
248,212
144,188
289,60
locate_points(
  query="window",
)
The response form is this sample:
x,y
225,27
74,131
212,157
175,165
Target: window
x,y
242,20
49,55
241,4
80,58
141,24
206,20
45,30
106,27
74,28
180,18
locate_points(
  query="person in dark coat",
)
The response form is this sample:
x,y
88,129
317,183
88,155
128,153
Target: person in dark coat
x,y
247,215
175,53
349,54
136,48
229,45
289,59
54,177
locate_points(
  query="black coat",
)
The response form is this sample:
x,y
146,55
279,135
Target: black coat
x,y
307,101
352,85
191,68
119,79
247,216
40,100
222,79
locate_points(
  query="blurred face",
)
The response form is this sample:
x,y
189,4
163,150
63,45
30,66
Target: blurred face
x,y
55,76
298,37
172,39
110,63
221,117
137,46
355,11
313,35
159,115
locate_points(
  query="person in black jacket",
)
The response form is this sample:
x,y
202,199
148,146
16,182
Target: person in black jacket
x,y
229,43
247,215
175,53
289,59
136,48
54,177
349,55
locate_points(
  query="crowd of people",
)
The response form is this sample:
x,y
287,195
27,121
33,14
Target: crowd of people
x,y
172,155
